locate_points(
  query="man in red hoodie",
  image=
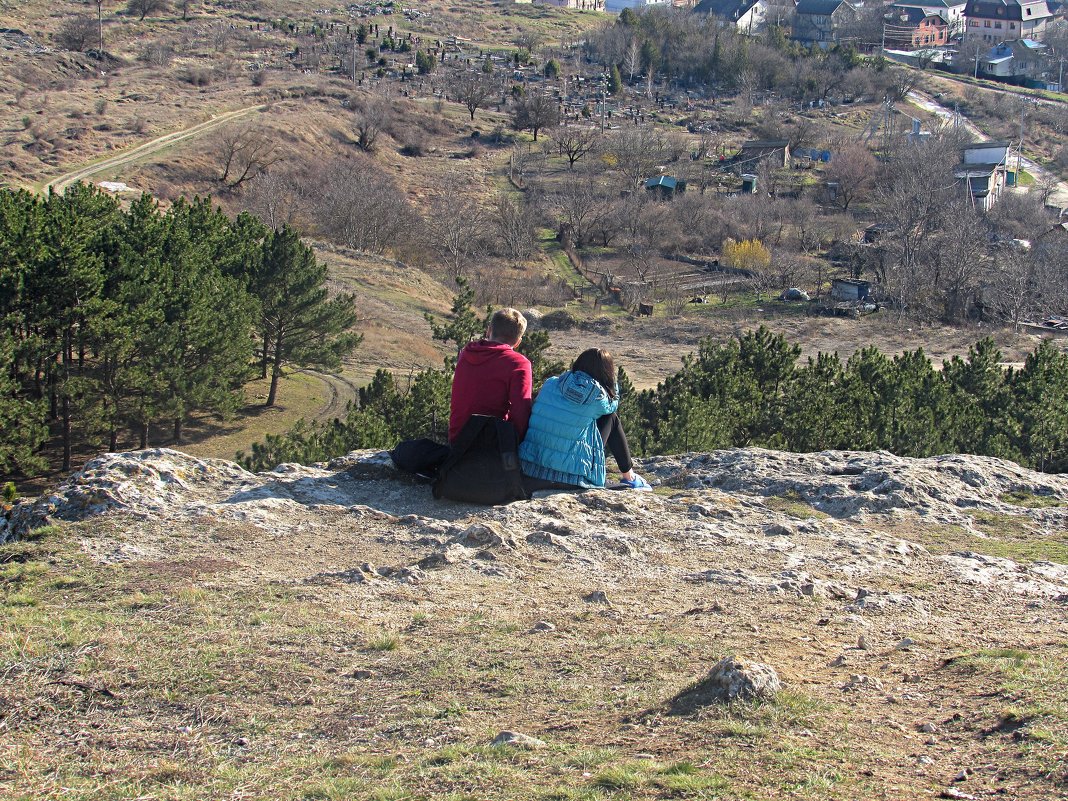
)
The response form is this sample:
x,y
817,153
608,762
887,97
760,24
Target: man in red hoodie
x,y
492,377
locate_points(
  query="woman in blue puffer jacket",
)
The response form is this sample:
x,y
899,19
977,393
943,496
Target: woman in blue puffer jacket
x,y
573,420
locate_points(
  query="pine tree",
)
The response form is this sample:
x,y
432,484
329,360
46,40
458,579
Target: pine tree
x,y
535,346
65,292
1040,391
300,324
463,323
815,416
22,427
920,407
981,402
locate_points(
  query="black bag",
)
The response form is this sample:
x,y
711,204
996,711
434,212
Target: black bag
x,y
420,456
483,466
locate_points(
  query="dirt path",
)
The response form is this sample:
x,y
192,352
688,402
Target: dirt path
x,y
147,148
342,390
1059,195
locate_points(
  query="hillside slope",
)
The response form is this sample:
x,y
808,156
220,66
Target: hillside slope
x,y
188,629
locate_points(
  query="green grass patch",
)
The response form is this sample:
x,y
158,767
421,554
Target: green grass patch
x,y
1030,500
384,642
1034,685
792,504
1001,535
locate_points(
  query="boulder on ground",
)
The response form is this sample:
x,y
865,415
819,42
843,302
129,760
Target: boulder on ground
x,y
730,679
517,740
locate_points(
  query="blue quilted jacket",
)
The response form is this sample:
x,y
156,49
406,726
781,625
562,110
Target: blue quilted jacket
x,y
562,442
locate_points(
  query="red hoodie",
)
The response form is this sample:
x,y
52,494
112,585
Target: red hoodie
x,y
491,378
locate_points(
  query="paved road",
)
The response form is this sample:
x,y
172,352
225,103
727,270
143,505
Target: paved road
x,y
146,149
1059,196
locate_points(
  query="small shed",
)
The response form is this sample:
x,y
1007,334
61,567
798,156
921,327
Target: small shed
x,y
774,151
850,289
666,185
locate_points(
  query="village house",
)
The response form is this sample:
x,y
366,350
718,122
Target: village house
x,y
952,11
819,21
912,28
582,5
748,16
1020,58
984,171
1003,20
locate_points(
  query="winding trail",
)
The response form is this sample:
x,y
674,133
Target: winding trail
x,y
342,390
148,148
1059,195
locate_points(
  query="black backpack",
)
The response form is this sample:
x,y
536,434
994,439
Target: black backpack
x,y
483,466
420,456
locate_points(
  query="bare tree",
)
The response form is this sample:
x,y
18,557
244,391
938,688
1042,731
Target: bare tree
x,y
455,228
516,226
369,121
576,205
914,194
142,8
902,81
535,114
632,57
245,154
276,196
636,152
961,260
219,35
646,225
76,33
853,169
574,142
158,54
358,205
527,40
749,82
472,90
1015,287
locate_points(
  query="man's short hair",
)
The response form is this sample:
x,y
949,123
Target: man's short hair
x,y
507,325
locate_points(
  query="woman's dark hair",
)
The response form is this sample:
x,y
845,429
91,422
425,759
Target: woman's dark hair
x,y
600,365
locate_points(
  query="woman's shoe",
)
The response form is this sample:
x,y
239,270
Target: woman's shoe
x,y
636,483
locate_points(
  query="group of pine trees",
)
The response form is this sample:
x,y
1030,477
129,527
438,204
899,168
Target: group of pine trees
x,y
114,321
751,391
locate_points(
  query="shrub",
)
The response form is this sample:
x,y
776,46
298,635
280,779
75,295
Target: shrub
x,y
561,320
198,76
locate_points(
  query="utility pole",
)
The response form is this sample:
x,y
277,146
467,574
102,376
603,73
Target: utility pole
x,y
100,26
604,98
976,73
354,59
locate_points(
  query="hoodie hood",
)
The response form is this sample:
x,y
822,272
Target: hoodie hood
x,y
484,351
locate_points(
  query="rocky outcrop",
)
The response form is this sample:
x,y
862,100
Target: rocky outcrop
x,y
806,519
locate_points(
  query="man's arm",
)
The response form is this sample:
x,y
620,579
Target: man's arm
x,y
519,398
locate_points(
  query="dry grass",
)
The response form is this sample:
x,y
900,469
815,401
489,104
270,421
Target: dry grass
x,y
195,675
